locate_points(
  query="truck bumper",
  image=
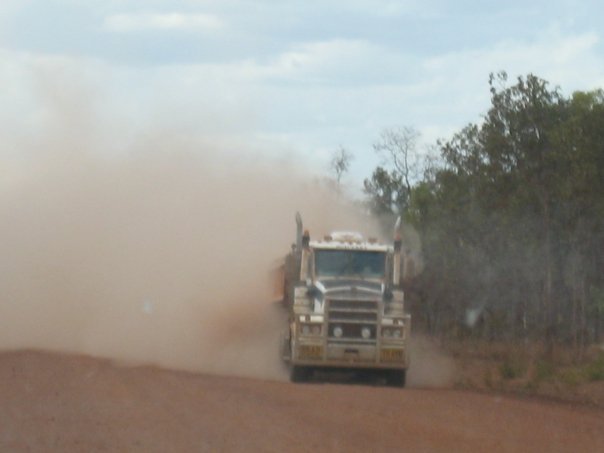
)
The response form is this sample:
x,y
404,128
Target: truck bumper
x,y
350,355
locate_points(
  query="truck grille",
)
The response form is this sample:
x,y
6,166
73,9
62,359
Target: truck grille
x,y
352,316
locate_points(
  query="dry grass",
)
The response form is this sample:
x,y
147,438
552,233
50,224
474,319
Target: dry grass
x,y
529,369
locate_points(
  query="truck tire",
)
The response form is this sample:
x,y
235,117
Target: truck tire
x,y
396,378
299,373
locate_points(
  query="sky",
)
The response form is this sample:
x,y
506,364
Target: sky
x,y
293,80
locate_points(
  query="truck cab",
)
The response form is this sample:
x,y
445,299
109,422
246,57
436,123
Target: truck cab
x,y
346,306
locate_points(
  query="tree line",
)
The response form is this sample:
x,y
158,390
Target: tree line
x,y
510,214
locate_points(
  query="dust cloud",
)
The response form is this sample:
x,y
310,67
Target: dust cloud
x,y
430,366
147,243
161,254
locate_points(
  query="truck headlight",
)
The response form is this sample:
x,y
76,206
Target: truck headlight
x,y
337,331
310,329
366,333
392,332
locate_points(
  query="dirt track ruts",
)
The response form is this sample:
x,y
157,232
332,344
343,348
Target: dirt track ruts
x,y
53,402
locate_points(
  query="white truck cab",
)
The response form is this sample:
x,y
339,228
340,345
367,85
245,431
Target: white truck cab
x,y
346,305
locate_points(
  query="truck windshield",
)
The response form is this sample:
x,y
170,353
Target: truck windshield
x,y
349,263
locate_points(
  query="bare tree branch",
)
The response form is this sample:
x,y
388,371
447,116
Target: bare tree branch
x,y
398,146
340,162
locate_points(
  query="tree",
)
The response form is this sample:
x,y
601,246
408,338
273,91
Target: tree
x,y
508,164
512,222
340,163
389,187
386,192
398,146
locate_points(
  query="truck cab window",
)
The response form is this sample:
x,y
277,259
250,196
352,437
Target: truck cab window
x,y
349,263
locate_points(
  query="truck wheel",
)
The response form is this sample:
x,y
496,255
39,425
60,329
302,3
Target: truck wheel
x,y
299,373
396,378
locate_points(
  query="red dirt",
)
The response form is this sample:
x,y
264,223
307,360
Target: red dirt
x,y
54,402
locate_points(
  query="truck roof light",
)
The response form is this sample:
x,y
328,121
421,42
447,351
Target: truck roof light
x,y
347,236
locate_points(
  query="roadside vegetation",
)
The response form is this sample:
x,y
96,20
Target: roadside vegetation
x,y
510,216
526,369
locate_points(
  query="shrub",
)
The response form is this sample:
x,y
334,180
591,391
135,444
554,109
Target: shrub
x,y
595,370
510,369
544,370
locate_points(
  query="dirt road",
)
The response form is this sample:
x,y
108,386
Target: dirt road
x,y
52,402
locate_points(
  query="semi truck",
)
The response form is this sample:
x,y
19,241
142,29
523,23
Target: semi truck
x,y
345,305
